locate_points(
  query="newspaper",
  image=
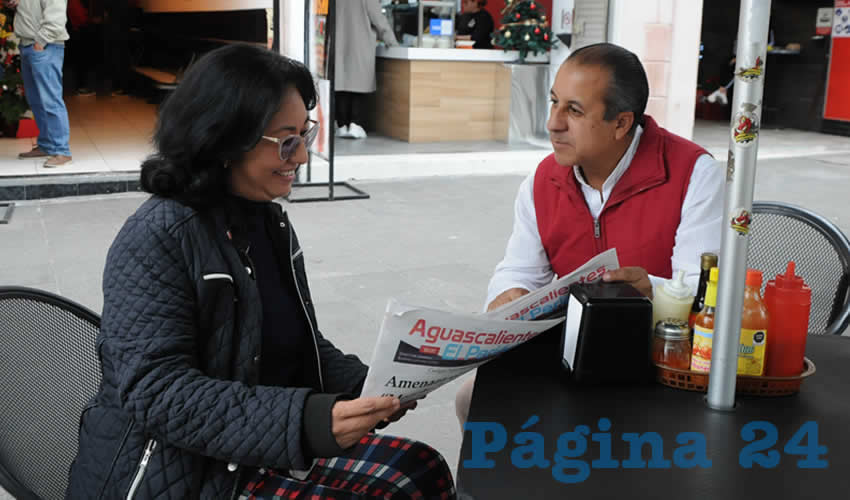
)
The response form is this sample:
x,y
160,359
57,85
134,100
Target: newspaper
x,y
551,300
421,349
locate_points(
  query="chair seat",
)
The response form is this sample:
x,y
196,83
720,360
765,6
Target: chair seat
x,y
49,371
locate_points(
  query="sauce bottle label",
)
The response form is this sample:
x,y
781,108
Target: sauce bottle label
x,y
751,352
701,356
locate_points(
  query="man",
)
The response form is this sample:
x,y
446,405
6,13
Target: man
x,y
40,26
615,180
476,24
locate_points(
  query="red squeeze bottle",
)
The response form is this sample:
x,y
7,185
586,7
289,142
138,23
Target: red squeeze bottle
x,y
789,302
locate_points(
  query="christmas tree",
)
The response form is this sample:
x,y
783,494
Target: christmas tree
x,y
525,28
12,101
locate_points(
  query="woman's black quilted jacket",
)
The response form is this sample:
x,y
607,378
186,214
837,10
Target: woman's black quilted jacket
x,y
179,406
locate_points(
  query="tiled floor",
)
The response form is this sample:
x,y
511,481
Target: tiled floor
x,y
112,134
108,134
379,145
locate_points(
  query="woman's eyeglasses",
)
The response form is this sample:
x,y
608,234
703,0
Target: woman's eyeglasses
x,y
288,144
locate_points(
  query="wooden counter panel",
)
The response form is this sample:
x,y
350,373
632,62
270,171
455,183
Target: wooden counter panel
x,y
436,101
502,117
393,99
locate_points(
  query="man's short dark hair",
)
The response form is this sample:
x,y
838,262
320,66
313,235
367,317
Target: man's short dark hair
x,y
217,114
628,88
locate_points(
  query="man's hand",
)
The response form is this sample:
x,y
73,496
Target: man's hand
x,y
635,276
351,420
506,296
12,3
37,47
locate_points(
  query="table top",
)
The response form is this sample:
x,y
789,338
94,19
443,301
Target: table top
x,y
528,382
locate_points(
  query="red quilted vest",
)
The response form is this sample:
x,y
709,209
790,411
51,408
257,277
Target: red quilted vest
x,y
640,217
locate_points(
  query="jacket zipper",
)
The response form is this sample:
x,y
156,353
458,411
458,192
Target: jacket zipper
x,y
597,234
143,465
252,269
303,306
597,224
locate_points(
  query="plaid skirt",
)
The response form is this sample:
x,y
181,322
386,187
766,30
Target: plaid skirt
x,y
379,466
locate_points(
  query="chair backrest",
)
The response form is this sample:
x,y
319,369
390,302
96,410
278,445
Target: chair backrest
x,y
49,370
782,233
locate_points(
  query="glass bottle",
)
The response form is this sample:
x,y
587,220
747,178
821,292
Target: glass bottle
x,y
671,345
752,349
707,261
704,327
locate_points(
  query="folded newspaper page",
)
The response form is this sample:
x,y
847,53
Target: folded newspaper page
x,y
421,349
551,300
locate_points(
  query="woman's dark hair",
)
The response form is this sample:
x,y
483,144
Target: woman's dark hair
x,y
218,113
628,88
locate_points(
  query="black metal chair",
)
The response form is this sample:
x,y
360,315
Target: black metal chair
x,y
48,372
782,233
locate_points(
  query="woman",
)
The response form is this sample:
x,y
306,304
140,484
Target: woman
x,y
476,24
216,380
355,28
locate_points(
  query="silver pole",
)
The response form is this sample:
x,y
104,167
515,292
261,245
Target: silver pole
x,y
750,60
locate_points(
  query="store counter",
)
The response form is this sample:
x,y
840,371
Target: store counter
x,y
436,95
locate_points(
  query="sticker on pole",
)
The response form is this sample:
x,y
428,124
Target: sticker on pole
x,y
746,123
741,221
752,70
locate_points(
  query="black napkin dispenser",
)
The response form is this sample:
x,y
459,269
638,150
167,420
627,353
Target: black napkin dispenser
x,y
607,335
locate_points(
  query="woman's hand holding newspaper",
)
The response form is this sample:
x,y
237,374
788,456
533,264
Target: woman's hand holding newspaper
x,y
395,417
351,420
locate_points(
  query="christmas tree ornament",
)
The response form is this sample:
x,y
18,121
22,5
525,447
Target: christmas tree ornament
x,y
528,19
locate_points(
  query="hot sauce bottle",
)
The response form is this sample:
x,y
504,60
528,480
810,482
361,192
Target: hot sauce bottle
x,y
704,327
